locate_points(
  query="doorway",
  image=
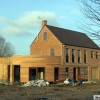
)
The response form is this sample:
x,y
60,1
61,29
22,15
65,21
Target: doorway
x,y
74,73
41,73
32,74
16,73
56,74
94,72
67,73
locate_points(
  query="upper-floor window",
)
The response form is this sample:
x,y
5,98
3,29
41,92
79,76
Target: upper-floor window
x,y
79,59
52,52
73,51
45,36
67,56
97,55
85,54
92,54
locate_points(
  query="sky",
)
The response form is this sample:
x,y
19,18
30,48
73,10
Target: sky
x,y
20,20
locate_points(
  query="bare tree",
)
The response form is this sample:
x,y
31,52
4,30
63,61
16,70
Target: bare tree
x,y
6,49
91,10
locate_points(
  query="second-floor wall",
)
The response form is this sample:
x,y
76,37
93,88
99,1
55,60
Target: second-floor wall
x,y
46,44
80,55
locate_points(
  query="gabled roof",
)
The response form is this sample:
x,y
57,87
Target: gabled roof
x,y
72,38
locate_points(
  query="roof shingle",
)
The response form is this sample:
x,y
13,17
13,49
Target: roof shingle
x,y
72,38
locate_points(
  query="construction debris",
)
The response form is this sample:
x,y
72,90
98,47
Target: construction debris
x,y
5,82
89,82
66,81
36,83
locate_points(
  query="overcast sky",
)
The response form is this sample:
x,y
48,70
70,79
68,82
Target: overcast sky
x,y
18,19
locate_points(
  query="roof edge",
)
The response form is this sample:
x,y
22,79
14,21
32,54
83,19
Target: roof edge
x,y
81,46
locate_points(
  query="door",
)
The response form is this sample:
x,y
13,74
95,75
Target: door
x,y
78,73
56,74
66,73
16,73
94,72
74,73
32,74
41,73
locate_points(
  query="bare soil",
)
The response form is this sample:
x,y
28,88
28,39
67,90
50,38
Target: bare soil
x,y
53,92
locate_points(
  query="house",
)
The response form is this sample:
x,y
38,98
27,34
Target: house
x,y
55,54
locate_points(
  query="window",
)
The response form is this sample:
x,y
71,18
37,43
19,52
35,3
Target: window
x,y
67,72
78,56
85,70
52,52
92,54
85,56
73,55
97,55
78,71
67,57
45,36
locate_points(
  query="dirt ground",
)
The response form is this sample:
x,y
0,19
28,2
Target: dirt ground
x,y
53,92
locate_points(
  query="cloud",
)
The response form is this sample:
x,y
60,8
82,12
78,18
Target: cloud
x,y
27,24
76,12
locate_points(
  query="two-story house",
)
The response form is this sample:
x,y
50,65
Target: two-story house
x,y
79,54
55,54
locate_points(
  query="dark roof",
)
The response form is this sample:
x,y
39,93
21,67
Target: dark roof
x,y
73,38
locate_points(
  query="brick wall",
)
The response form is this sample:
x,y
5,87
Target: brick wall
x,y
91,62
42,47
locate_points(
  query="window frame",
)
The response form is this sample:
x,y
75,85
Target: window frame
x,y
97,55
73,55
52,52
45,36
67,55
79,56
66,72
85,71
85,56
92,54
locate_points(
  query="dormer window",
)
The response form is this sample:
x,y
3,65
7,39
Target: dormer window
x,y
45,36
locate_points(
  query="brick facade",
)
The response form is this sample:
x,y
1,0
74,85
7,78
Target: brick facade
x,y
54,67
52,42
43,47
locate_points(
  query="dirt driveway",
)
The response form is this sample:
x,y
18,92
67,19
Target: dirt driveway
x,y
54,92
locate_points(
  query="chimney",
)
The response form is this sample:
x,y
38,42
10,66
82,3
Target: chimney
x,y
44,22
